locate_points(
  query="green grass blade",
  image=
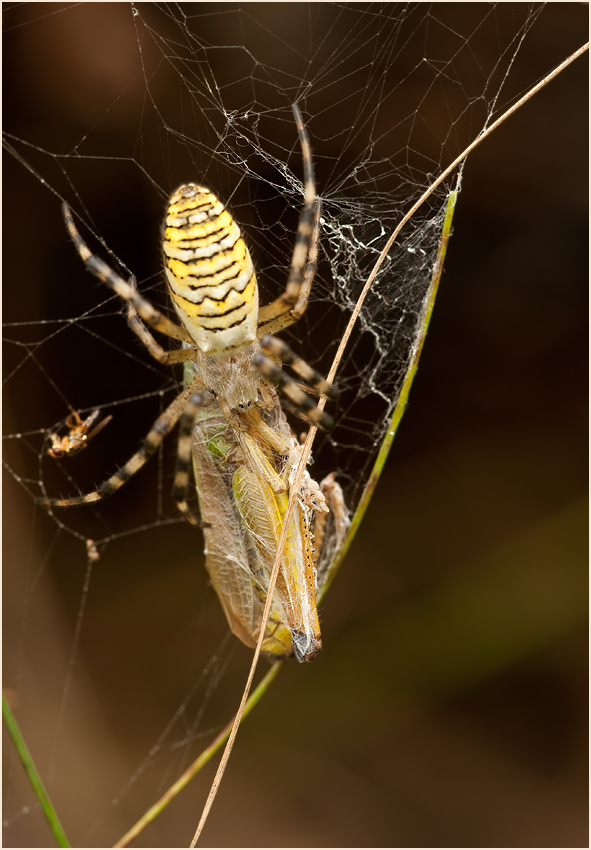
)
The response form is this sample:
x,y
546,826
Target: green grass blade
x,y
34,778
404,391
199,762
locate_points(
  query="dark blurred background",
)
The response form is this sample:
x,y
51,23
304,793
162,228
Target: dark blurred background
x,y
450,706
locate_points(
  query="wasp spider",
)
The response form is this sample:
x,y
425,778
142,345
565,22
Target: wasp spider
x,y
225,335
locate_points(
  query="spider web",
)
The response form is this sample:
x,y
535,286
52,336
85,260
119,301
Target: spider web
x,y
110,107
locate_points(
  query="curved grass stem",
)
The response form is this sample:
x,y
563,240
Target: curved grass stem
x,y
199,762
34,778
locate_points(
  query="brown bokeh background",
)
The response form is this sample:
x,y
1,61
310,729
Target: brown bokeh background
x,y
450,705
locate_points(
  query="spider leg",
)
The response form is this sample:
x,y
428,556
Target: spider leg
x,y
279,350
304,404
182,476
154,318
168,358
159,430
290,306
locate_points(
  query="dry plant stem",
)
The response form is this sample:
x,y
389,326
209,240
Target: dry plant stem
x,y
199,762
431,189
294,490
312,432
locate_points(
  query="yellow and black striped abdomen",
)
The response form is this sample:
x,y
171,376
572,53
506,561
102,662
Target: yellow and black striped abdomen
x,y
209,272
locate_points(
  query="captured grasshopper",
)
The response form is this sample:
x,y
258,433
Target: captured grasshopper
x,y
243,479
